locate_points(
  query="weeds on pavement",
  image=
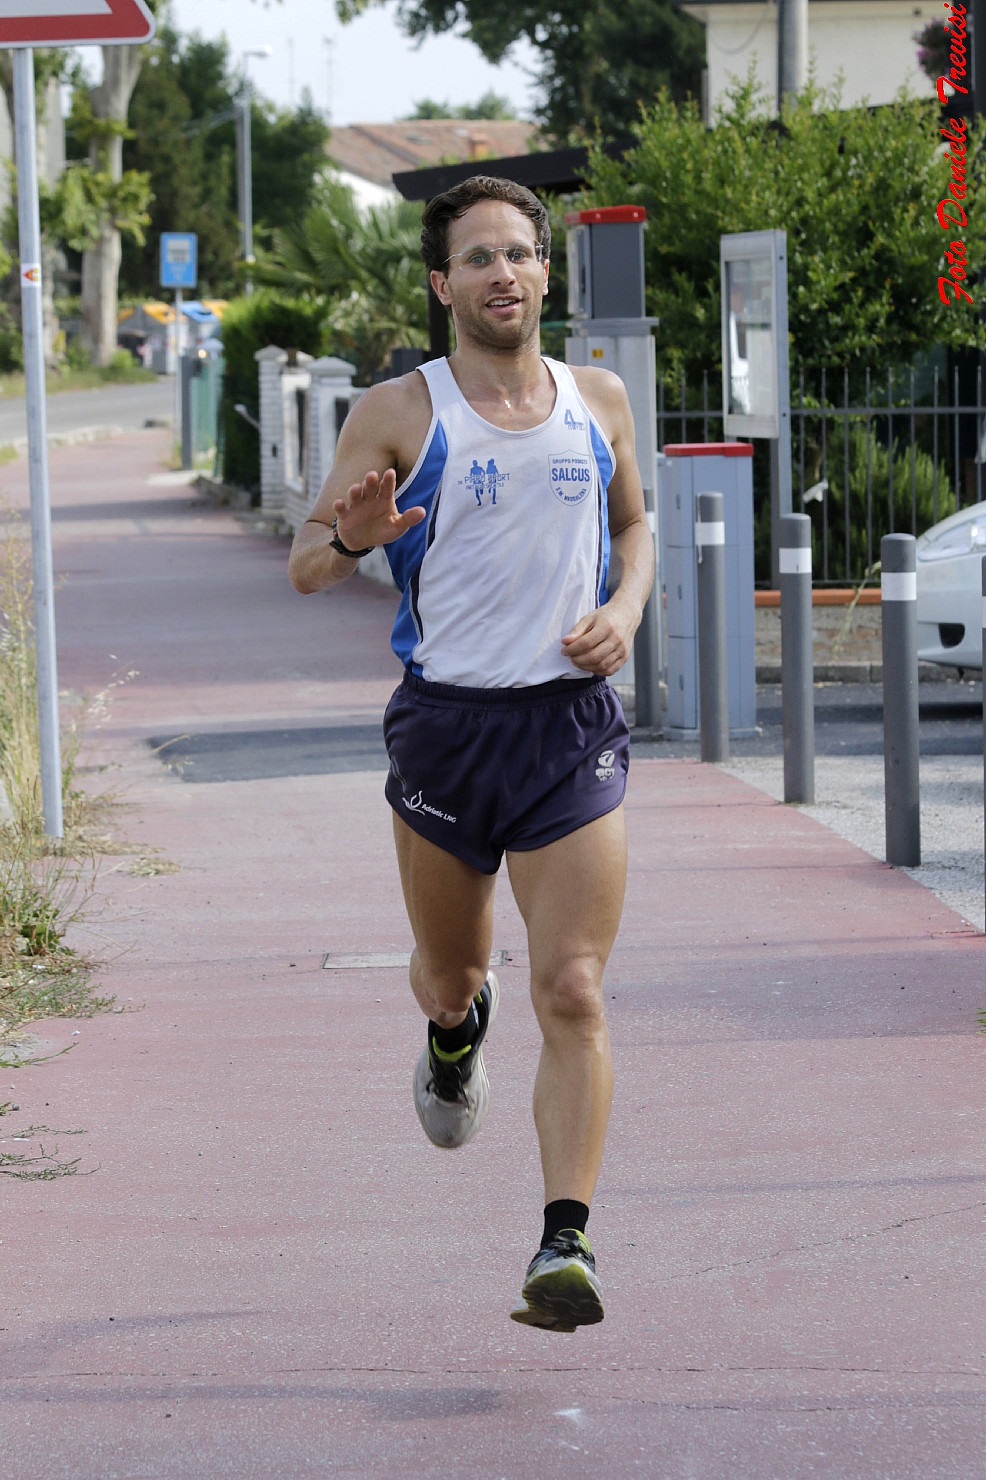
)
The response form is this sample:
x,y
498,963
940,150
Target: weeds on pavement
x,y
45,884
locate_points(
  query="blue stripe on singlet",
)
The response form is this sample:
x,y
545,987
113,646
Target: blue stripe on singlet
x,y
407,554
604,463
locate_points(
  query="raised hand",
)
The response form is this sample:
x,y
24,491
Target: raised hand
x,y
368,514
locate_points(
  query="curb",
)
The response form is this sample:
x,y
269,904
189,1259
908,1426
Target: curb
x,y
82,435
859,672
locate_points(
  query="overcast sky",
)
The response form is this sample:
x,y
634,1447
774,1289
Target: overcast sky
x,y
370,73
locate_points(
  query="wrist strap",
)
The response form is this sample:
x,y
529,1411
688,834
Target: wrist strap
x,y
337,544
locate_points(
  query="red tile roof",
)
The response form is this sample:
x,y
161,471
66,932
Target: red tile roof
x,y
375,151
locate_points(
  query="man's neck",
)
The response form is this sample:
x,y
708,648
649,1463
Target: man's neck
x,y
516,381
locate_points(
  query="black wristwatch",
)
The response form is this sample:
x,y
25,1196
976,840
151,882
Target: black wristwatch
x,y
337,544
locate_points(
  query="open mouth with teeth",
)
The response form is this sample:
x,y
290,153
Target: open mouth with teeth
x,y
502,305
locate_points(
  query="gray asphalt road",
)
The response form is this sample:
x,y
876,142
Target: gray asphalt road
x,y
128,407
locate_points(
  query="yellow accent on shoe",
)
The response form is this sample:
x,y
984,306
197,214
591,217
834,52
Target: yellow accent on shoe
x,y
450,1058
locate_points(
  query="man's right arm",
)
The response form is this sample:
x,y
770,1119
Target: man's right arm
x,y
380,437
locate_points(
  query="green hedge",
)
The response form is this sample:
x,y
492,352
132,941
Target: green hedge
x,y
251,324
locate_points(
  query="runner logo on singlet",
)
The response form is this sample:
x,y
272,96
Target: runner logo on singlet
x,y
571,476
485,483
571,423
605,770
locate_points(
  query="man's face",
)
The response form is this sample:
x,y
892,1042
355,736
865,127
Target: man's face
x,y
496,305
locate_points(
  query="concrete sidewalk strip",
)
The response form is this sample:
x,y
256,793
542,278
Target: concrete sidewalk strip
x,y
269,1272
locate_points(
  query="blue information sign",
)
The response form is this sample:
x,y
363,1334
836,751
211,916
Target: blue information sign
x,y
179,259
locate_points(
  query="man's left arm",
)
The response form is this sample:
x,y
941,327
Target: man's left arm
x,y
601,641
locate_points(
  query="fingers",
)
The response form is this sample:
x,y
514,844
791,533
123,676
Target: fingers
x,y
372,488
368,514
595,645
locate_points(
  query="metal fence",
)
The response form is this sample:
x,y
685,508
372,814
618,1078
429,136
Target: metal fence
x,y
869,458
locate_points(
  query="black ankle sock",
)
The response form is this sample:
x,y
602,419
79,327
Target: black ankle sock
x,y
565,1213
451,1040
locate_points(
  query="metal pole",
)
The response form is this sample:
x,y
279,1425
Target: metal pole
x,y
185,379
898,595
29,228
245,179
179,306
797,659
792,48
713,678
648,658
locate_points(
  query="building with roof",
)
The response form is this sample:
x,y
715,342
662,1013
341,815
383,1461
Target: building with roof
x,y
868,43
366,156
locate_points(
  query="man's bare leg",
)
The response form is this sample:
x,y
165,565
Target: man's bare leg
x,y
571,897
450,906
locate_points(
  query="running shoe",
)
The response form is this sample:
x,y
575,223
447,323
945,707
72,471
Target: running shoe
x,y
452,1094
561,1289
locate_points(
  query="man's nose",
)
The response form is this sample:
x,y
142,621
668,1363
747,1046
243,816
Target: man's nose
x,y
500,256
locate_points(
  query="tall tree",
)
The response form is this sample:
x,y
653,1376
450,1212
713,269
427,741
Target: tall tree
x,y
490,105
183,136
104,121
49,68
600,59
183,86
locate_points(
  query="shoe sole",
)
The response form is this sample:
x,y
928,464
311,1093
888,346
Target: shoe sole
x,y
479,1076
561,1299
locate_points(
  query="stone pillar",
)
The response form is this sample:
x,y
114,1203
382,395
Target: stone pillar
x,y
331,392
270,363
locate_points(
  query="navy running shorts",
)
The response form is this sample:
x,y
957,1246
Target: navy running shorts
x,y
483,771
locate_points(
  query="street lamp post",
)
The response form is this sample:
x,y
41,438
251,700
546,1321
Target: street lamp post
x,y
244,165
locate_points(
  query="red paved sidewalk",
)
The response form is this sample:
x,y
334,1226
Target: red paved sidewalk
x,y
269,1272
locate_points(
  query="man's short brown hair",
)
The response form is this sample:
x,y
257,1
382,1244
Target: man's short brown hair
x,y
443,209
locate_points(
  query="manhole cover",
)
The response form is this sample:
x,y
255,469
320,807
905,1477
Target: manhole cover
x,y
378,960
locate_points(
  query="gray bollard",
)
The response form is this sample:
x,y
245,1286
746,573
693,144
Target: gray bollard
x,y
185,363
797,658
713,677
901,747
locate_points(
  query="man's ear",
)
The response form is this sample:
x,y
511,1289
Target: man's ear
x,y
439,283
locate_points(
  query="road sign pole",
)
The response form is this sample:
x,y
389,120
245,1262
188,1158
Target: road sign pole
x,y
179,310
37,438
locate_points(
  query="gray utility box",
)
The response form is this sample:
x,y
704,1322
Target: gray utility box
x,y
686,470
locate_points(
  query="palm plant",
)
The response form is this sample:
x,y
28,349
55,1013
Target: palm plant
x,y
363,265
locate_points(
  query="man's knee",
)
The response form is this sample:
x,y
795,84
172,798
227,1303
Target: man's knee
x,y
568,996
448,989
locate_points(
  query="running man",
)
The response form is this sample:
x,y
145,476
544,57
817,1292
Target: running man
x,y
504,736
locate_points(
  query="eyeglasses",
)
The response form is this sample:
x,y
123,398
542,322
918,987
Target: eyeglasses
x,y
478,259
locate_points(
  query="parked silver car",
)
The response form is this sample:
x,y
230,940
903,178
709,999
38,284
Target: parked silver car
x,y
950,590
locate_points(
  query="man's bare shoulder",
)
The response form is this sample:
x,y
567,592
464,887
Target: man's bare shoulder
x,y
396,415
599,387
604,393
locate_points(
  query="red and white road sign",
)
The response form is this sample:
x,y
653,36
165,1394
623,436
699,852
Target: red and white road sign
x,y
74,22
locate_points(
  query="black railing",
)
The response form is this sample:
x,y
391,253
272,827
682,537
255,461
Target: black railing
x,y
886,457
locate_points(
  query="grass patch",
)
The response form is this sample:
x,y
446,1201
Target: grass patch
x,y
122,370
46,884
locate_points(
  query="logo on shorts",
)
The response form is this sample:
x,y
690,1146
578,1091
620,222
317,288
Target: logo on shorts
x,y
571,476
418,804
484,482
605,770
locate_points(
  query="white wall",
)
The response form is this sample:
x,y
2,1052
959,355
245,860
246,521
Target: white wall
x,y
870,42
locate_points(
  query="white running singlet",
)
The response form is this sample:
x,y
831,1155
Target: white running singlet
x,y
515,546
